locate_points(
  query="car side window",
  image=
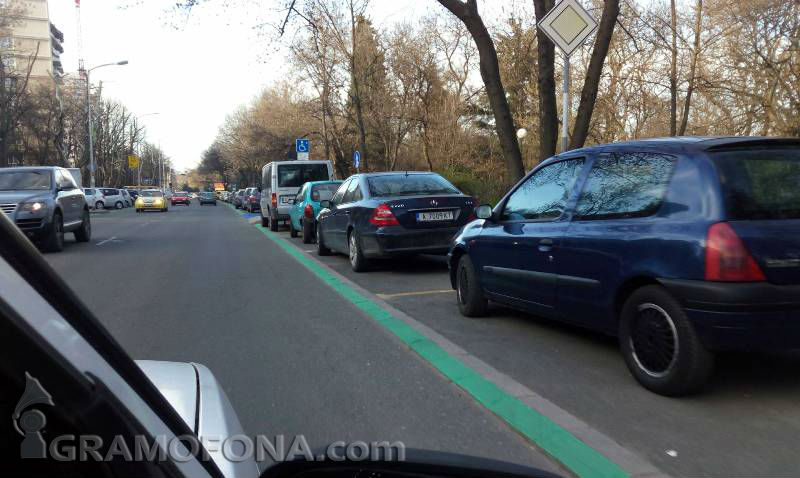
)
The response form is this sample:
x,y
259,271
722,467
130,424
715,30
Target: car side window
x,y
350,194
338,196
544,195
624,185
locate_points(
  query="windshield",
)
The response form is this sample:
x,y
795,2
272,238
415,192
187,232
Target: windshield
x,y
181,193
324,192
409,185
761,184
296,174
151,194
24,180
207,195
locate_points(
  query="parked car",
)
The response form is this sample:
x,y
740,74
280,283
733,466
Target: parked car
x,y
94,198
302,215
45,203
238,199
207,197
114,198
385,214
180,197
280,183
251,200
680,247
151,200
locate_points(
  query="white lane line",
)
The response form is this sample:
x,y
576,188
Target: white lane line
x,y
408,294
107,240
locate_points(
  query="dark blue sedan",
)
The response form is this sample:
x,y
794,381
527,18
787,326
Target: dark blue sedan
x,y
387,214
680,247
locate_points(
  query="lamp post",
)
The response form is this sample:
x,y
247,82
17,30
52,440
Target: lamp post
x,y
89,119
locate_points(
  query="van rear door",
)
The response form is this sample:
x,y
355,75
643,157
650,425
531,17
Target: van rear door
x,y
292,175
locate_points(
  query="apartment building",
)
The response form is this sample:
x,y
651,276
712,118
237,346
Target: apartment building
x,y
31,39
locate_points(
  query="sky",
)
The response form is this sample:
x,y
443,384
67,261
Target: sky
x,y
193,70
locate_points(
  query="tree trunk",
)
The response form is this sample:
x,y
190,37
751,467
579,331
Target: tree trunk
x,y
490,73
673,73
362,132
548,112
590,84
687,102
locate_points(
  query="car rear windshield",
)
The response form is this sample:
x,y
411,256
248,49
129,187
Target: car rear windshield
x,y
763,184
207,195
152,194
409,185
323,192
181,193
295,175
24,180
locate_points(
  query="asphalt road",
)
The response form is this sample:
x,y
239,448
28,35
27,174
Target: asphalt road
x,y
201,284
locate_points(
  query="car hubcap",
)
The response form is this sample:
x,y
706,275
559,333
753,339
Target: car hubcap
x,y
353,250
654,340
463,285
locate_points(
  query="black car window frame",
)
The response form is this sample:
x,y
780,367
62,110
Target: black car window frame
x,y
568,203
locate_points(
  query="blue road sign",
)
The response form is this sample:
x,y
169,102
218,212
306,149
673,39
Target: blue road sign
x,y
356,159
302,145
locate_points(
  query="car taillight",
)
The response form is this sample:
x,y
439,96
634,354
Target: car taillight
x,y
309,211
274,200
727,259
383,216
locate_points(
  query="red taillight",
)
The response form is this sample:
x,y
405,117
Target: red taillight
x,y
383,216
274,200
727,259
309,211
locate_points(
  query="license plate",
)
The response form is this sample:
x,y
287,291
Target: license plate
x,y
435,216
287,200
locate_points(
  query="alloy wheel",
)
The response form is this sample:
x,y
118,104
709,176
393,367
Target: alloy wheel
x,y
654,340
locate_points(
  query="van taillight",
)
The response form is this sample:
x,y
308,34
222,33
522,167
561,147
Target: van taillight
x,y
383,216
727,259
274,200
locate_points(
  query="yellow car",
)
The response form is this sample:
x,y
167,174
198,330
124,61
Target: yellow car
x,y
151,200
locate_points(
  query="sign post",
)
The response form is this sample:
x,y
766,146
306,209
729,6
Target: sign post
x,y
357,160
567,25
302,147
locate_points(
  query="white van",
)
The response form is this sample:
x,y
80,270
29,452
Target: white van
x,y
280,183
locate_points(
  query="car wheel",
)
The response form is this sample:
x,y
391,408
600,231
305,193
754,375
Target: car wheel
x,y
357,260
292,230
99,205
308,232
471,301
55,239
660,345
119,205
84,233
273,222
321,249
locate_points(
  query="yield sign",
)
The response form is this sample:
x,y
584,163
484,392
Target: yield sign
x,y
568,25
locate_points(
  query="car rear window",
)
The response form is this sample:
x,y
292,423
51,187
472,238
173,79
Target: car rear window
x,y
296,174
402,184
323,192
763,184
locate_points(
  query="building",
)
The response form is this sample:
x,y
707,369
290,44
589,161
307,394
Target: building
x,y
31,37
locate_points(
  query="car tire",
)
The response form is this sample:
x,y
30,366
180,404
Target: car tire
x,y
84,233
119,205
652,320
321,249
54,242
292,230
469,293
99,205
308,232
273,222
358,262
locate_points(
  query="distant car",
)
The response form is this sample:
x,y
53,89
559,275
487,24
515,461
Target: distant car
x,y
207,197
114,198
302,215
251,200
45,203
180,197
151,200
94,198
387,214
127,196
238,199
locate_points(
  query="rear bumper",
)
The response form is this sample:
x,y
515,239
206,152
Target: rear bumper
x,y
388,241
741,316
181,201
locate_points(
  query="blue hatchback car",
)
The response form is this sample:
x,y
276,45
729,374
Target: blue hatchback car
x,y
680,247
302,215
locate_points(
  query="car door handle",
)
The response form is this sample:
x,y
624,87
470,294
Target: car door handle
x,y
545,245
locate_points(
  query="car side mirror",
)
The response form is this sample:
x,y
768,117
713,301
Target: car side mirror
x,y
326,204
484,211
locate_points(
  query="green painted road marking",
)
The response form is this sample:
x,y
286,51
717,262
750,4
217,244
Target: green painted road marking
x,y
567,449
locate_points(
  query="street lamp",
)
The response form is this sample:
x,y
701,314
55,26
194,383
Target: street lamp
x,y
89,118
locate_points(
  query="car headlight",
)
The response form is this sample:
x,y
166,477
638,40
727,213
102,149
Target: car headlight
x,y
33,206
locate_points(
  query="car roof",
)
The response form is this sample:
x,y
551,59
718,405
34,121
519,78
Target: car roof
x,y
688,144
395,173
31,168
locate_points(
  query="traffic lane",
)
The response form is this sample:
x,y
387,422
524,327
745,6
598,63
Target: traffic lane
x,y
200,284
741,425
